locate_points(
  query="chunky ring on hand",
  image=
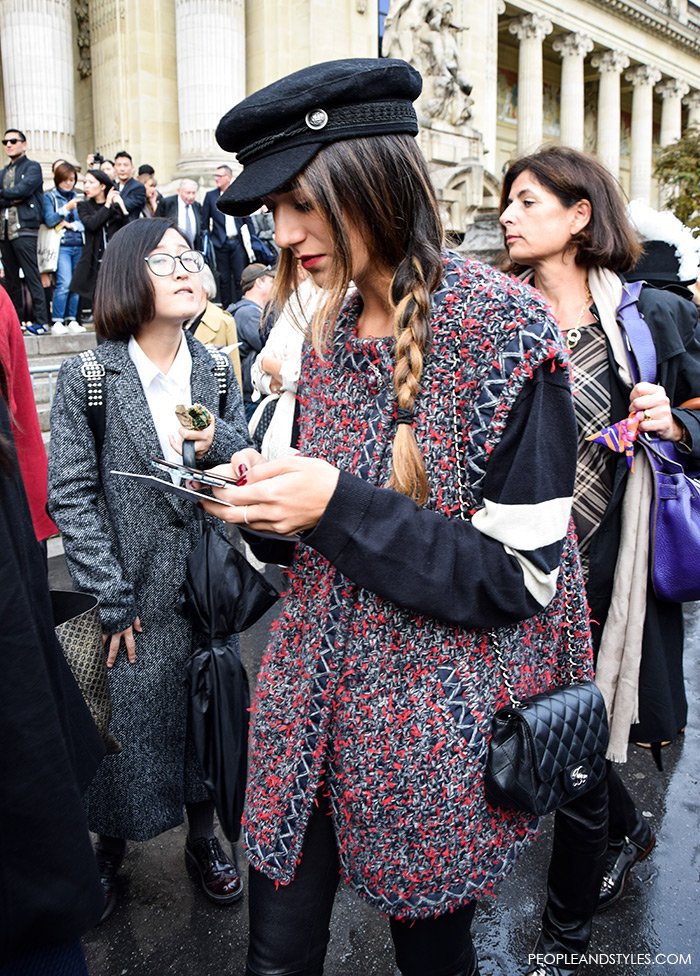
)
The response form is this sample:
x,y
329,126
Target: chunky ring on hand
x,y
647,415
245,514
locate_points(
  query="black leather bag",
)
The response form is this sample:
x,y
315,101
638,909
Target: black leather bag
x,y
547,750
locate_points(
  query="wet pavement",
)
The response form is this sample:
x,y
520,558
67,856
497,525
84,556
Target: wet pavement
x,y
163,926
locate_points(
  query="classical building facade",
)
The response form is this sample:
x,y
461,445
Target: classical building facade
x,y
617,77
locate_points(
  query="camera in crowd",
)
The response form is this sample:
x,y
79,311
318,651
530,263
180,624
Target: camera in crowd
x,y
97,158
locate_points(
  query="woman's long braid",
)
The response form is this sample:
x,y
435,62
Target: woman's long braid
x,y
380,186
413,335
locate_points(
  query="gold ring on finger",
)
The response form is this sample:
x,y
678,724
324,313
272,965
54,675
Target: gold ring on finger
x,y
647,415
245,514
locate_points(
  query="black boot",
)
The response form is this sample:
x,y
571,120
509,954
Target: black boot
x,y
576,870
621,857
109,854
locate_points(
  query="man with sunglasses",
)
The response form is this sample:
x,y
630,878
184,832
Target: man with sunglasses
x,y
21,191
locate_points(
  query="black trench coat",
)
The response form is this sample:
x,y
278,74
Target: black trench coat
x,y
673,322
101,224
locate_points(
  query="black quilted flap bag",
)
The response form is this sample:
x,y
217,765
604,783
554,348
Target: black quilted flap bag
x,y
548,749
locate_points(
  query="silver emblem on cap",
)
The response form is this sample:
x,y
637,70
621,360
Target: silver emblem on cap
x,y
318,119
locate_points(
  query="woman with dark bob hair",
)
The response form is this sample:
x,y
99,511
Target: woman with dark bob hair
x,y
432,493
567,234
128,544
102,213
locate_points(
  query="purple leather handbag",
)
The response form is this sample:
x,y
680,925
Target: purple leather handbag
x,y
674,520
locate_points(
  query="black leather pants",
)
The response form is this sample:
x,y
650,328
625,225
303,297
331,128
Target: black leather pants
x,y
624,816
289,924
575,874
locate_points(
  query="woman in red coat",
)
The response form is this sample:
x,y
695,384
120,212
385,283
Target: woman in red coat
x,y
31,452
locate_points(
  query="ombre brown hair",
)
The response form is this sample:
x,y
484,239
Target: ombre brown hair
x,y
608,240
378,187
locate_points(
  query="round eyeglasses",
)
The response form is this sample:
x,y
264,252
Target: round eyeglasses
x,y
164,264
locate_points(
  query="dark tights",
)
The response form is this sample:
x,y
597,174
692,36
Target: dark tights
x,y
289,924
200,823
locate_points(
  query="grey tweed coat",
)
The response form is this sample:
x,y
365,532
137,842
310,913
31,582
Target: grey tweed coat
x,y
127,544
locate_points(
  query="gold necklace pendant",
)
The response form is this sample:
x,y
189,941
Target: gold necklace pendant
x,y
573,337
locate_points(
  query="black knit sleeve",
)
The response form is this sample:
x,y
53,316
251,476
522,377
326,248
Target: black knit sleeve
x,y
499,567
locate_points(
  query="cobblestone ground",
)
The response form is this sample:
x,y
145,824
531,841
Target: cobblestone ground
x,y
164,927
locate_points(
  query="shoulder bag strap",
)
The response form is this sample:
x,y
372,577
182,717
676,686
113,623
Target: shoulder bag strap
x,y
93,372
639,344
220,370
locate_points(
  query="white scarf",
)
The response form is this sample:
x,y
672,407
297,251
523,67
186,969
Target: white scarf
x,y
620,654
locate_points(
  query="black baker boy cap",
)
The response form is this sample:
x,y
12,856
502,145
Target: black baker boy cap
x,y
278,130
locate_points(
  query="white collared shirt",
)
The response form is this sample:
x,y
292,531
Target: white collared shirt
x,y
164,391
182,218
231,229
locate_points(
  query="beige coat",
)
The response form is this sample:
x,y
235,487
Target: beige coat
x,y
217,328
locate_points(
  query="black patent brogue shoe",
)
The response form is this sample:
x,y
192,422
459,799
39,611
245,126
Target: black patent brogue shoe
x,y
217,875
108,864
549,969
622,857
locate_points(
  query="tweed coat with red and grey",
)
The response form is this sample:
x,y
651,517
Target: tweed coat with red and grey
x,y
386,705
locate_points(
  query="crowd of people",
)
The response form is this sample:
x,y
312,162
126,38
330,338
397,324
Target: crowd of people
x,y
53,242
455,536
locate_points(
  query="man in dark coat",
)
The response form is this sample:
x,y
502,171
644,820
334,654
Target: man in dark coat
x,y
132,192
256,284
226,235
21,192
183,209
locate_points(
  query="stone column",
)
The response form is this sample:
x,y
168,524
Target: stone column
x,y
481,67
38,72
531,30
572,48
692,101
610,64
134,85
643,79
210,41
672,92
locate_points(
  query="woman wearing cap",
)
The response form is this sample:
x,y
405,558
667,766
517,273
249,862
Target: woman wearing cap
x,y
567,234
432,494
102,213
128,544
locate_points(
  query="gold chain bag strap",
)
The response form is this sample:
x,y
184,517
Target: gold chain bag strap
x,y
545,750
77,625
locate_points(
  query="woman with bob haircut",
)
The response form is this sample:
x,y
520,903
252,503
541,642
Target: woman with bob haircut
x,y
567,234
128,544
432,495
60,212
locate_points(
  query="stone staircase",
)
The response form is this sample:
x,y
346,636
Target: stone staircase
x,y
45,355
